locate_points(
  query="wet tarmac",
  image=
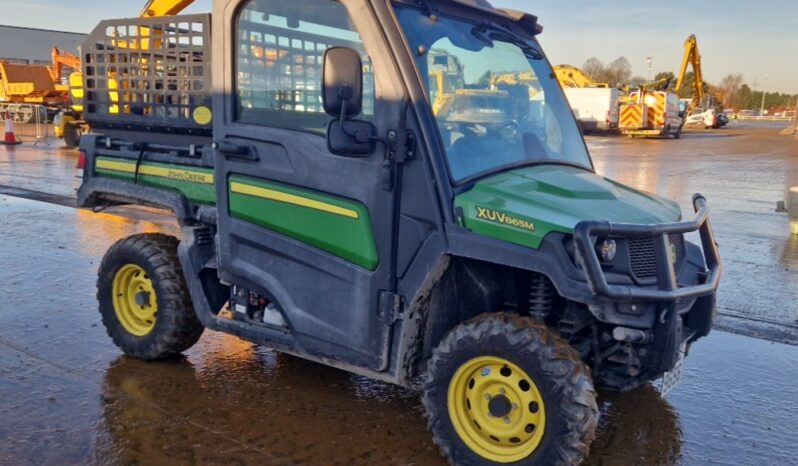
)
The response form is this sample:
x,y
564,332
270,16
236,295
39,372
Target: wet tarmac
x,y
68,396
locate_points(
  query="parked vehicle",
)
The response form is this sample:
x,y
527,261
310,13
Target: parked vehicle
x,y
651,114
595,108
329,212
706,117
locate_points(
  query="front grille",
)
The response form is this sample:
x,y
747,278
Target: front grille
x,y
641,255
642,258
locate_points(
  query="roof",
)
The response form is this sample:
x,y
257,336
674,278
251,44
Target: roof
x,y
40,29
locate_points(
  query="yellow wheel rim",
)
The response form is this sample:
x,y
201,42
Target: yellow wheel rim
x,y
135,301
496,409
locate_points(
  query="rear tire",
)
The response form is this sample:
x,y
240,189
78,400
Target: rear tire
x,y
557,431
144,301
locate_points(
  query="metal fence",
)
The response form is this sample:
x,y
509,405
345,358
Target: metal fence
x,y
30,122
740,116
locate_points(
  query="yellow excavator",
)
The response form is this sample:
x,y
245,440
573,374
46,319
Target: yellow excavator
x,y
69,124
35,85
157,8
571,76
703,109
447,72
693,58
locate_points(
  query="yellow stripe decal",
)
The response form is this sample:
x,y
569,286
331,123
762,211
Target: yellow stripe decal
x,y
171,173
272,195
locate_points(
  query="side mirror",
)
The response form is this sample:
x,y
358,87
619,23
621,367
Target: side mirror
x,y
342,96
342,82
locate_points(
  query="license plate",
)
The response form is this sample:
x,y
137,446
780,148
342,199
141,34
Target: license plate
x,y
673,378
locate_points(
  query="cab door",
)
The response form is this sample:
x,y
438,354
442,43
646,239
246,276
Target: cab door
x,y
308,229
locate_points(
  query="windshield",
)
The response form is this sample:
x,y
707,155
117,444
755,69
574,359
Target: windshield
x,y
495,98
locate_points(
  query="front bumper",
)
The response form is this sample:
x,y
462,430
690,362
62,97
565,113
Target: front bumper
x,y
684,312
667,289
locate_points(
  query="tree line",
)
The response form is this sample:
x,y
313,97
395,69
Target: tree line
x,y
732,91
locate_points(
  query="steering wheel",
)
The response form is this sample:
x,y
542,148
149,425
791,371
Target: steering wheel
x,y
509,129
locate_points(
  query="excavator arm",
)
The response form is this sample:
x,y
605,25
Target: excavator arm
x,y
61,59
570,76
157,8
692,57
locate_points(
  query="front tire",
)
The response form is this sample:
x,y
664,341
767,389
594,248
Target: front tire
x,y
144,300
505,389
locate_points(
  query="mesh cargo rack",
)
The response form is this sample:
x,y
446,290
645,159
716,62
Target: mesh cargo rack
x,y
149,74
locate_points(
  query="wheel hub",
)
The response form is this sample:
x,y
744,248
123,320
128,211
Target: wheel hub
x,y
134,299
499,406
496,409
142,299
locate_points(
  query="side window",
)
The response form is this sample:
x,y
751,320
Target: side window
x,y
280,54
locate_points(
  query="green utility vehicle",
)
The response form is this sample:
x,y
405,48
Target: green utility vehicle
x,y
328,212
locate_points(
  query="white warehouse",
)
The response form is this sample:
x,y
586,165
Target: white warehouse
x,y
34,46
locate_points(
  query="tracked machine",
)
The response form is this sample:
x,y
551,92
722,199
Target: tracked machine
x,y
328,211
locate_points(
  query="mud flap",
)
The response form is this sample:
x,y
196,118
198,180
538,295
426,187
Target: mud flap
x,y
673,378
669,335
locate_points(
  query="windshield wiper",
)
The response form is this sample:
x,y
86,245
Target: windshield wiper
x,y
522,164
488,35
480,33
520,42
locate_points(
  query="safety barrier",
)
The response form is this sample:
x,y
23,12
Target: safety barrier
x,y
30,122
738,116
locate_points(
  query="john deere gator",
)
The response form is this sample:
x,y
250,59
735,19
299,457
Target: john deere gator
x,y
472,252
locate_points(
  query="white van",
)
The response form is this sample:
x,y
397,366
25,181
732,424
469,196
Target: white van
x,y
595,108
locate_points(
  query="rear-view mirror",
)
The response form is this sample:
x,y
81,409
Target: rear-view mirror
x,y
342,96
342,82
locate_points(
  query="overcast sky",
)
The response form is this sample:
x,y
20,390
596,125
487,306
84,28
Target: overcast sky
x,y
757,39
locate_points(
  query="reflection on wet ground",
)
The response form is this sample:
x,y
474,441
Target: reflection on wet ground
x,y
45,168
67,396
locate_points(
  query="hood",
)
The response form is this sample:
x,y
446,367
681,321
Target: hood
x,y
522,206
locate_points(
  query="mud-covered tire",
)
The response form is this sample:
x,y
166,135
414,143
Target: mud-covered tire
x,y
562,378
176,326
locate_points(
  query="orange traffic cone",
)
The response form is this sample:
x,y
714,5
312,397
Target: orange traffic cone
x,y
10,138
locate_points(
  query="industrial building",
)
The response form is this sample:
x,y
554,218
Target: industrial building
x,y
34,46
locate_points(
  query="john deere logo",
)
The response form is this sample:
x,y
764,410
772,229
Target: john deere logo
x,y
500,217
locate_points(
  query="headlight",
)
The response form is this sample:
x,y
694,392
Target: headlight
x,y
606,250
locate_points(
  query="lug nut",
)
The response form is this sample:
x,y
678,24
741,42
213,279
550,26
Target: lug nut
x,y
486,372
506,420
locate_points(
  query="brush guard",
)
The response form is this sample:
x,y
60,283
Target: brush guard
x,y
667,288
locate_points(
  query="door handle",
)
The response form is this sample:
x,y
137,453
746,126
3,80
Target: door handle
x,y
235,151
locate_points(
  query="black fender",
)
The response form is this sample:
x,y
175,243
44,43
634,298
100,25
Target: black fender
x,y
550,259
97,192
